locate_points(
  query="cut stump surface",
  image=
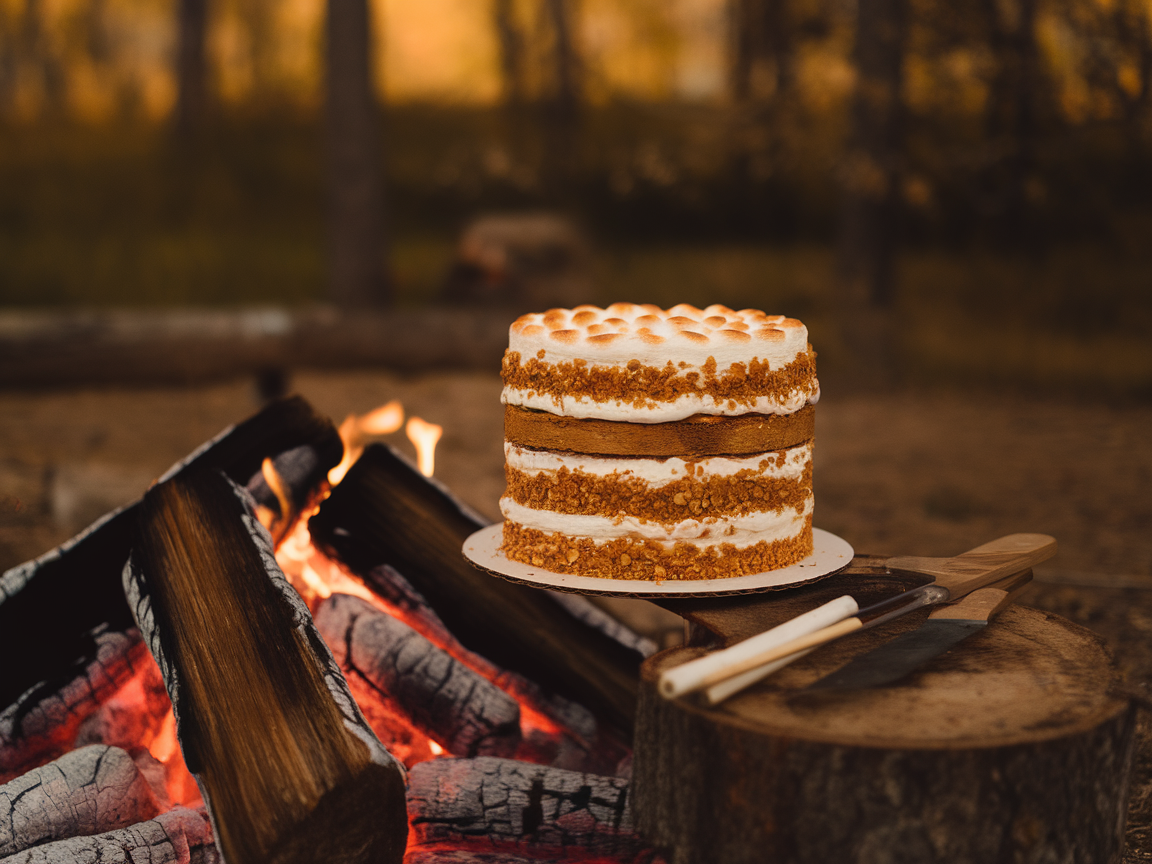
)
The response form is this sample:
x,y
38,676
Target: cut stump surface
x,y
1013,746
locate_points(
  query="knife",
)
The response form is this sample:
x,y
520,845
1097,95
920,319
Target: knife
x,y
956,577
945,628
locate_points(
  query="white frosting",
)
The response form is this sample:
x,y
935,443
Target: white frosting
x,y
655,471
653,412
687,337
738,530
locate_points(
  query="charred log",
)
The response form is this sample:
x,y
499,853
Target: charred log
x,y
57,639
463,711
87,791
41,725
177,837
521,807
386,512
288,766
573,740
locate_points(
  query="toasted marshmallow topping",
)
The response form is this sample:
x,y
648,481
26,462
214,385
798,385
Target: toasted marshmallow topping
x,y
655,336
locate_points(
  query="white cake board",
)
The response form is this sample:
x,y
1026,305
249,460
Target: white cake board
x,y
830,555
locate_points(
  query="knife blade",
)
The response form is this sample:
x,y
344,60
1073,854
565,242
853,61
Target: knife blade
x,y
945,628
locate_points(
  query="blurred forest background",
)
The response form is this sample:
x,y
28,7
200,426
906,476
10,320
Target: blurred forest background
x,y
964,184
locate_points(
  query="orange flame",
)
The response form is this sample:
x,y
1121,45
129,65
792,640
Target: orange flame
x,y
424,436
356,430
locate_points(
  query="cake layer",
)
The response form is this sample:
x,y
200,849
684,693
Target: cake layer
x,y
703,532
638,558
697,436
636,393
663,491
643,364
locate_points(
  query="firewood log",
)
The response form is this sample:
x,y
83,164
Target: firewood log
x,y
573,739
40,726
179,836
461,710
87,791
386,512
285,761
517,806
50,608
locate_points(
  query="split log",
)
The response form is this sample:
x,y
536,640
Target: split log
x,y
1010,747
517,806
286,763
40,726
177,837
464,712
385,512
52,607
87,791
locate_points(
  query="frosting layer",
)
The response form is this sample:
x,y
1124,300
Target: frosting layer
x,y
734,531
667,491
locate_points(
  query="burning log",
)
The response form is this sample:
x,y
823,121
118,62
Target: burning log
x,y
463,711
285,761
565,735
43,723
50,634
385,512
515,806
179,836
87,791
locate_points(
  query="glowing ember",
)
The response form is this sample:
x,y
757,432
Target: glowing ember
x,y
424,435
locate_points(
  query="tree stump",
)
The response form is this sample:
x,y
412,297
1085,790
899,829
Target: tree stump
x,y
1011,747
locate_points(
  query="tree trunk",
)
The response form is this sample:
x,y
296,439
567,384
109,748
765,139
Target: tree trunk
x,y
191,66
511,40
357,241
870,204
562,107
1013,746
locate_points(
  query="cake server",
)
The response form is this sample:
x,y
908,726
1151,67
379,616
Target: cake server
x,y
954,578
945,628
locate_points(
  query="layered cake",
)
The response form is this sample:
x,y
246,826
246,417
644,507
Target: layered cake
x,y
644,443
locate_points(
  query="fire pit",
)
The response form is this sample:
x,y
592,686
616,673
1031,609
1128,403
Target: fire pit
x,y
485,691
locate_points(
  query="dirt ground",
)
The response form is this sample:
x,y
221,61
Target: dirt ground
x,y
910,472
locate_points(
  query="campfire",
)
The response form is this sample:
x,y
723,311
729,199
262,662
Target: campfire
x,y
510,708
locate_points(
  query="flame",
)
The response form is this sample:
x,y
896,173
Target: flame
x,y
356,430
424,435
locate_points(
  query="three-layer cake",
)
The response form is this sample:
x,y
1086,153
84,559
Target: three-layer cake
x,y
644,443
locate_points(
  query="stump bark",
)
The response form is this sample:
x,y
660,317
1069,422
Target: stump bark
x,y
1011,747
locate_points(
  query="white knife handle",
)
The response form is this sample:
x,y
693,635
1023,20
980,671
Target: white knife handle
x,y
698,673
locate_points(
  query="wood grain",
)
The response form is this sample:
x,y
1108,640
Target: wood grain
x,y
1011,747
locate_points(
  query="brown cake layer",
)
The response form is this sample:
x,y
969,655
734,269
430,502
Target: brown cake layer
x,y
640,385
579,493
699,436
627,558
